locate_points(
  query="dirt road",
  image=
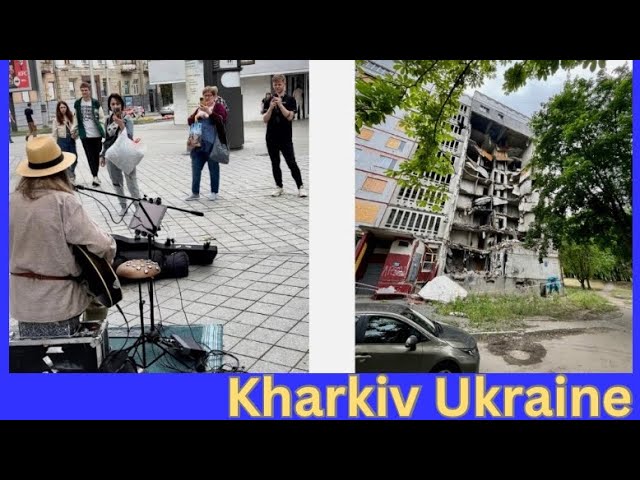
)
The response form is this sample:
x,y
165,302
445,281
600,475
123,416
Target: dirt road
x,y
602,344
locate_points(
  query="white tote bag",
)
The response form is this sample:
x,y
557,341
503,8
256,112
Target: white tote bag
x,y
125,153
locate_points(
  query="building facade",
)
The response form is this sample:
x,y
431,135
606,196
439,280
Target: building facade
x,y
61,79
474,234
186,78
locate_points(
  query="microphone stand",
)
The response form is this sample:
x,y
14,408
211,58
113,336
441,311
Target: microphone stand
x,y
153,336
157,201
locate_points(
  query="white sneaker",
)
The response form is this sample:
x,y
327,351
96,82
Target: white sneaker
x,y
193,196
302,192
277,192
212,196
96,182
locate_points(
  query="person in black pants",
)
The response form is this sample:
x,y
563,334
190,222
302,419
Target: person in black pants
x,y
278,118
90,117
28,113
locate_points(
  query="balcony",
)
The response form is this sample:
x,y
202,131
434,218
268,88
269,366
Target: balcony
x,y
128,66
46,66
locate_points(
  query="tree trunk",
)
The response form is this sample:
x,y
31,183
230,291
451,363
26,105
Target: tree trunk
x,y
588,284
582,283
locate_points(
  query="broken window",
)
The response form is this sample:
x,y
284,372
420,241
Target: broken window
x,y
375,185
365,133
429,261
451,145
386,163
433,177
395,143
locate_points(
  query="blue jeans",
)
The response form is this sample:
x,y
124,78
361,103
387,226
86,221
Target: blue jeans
x,y
200,158
68,144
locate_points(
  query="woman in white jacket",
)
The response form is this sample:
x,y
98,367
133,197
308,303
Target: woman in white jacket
x,y
63,129
115,123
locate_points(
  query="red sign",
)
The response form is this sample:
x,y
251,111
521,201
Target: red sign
x,y
19,77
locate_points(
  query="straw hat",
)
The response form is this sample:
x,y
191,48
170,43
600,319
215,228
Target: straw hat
x,y
44,157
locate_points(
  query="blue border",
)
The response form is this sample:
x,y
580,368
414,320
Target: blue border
x,y
174,396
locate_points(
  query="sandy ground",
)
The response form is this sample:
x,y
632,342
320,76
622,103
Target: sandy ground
x,y
595,345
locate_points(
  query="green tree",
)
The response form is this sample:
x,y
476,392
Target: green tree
x,y
582,165
585,261
429,91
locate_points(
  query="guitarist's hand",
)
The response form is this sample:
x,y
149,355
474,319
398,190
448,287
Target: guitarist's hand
x,y
103,162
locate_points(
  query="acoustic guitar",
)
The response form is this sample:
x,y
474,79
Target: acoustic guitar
x,y
101,279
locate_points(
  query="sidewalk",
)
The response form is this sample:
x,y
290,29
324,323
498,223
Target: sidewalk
x,y
258,285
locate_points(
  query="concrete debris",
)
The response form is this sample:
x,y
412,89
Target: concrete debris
x,y
457,314
506,244
477,168
442,289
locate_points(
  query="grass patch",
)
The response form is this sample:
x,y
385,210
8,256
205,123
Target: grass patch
x,y
504,311
624,294
143,120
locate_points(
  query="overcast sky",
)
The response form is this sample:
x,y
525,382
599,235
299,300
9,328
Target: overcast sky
x,y
528,98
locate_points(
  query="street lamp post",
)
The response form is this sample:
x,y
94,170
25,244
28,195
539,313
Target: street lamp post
x,y
42,91
93,80
106,66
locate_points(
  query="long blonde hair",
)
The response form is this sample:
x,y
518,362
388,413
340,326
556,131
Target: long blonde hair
x,y
32,187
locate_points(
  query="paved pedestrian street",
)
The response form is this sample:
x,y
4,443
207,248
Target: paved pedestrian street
x,y
258,285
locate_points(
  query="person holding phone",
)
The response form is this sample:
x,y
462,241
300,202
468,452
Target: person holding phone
x,y
278,118
117,122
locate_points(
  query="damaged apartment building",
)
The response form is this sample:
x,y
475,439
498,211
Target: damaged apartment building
x,y
475,238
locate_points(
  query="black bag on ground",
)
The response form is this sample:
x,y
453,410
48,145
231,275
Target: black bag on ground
x,y
176,265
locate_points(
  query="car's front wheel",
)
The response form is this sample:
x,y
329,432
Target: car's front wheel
x,y
446,367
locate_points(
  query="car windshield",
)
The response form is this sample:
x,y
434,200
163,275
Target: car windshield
x,y
421,320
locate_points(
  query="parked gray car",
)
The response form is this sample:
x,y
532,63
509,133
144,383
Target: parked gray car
x,y
167,110
395,338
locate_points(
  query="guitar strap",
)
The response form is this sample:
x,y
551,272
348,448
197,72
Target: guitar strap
x,y
37,276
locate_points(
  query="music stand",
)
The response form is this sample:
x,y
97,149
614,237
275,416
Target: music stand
x,y
147,217
146,222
